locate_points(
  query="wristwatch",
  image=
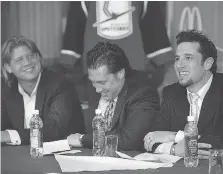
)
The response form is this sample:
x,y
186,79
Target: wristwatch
x,y
80,139
172,149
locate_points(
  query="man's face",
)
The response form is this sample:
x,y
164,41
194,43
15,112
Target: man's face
x,y
107,84
189,66
24,64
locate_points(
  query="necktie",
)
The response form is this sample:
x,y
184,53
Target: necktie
x,y
108,115
193,100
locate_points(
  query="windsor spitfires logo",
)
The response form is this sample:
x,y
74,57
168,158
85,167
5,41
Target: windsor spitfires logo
x,y
114,19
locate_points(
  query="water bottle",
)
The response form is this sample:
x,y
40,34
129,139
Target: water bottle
x,y
36,135
191,143
98,126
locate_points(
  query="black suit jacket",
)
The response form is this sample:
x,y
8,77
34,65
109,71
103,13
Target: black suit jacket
x,y
175,109
57,102
135,111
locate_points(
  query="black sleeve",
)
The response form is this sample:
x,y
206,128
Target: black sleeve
x,y
154,35
164,117
64,114
5,121
74,33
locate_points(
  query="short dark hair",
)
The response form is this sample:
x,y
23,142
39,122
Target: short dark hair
x,y
207,47
7,49
111,55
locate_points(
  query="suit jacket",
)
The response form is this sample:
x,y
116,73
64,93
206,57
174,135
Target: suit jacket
x,y
135,111
57,102
175,109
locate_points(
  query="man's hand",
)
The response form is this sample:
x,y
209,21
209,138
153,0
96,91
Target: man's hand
x,y
158,137
74,140
202,154
5,138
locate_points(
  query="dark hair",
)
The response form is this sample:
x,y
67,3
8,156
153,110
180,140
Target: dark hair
x,y
8,48
207,47
111,55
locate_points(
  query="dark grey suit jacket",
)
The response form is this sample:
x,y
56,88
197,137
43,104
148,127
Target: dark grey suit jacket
x,y
57,101
175,109
135,112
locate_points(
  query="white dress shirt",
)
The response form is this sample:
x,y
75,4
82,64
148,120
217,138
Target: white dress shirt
x,y
29,107
165,147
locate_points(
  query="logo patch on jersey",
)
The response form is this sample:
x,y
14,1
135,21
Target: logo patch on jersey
x,y
114,19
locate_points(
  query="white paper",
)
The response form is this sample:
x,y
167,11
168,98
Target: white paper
x,y
55,146
159,157
93,163
69,152
122,155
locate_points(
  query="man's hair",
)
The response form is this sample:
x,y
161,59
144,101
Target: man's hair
x,y
9,46
207,47
110,55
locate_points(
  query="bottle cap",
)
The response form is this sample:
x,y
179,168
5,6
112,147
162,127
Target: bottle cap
x,y
98,111
36,112
190,118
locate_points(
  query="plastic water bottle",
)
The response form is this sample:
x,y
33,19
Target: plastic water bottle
x,y
191,143
36,135
98,126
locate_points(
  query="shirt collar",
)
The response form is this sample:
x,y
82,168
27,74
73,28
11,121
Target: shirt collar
x,y
115,100
21,90
202,92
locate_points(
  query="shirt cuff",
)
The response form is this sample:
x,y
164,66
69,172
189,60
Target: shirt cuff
x,y
179,136
14,137
164,148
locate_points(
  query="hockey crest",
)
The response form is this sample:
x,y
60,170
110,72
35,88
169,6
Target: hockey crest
x,y
114,19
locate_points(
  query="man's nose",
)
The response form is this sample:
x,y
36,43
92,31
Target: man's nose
x,y
180,64
98,90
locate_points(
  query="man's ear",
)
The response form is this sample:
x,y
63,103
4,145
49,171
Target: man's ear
x,y
208,63
121,73
8,68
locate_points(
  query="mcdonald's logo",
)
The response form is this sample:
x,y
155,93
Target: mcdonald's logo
x,y
191,15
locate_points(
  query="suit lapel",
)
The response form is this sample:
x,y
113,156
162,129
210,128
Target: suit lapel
x,y
182,105
41,92
119,105
210,103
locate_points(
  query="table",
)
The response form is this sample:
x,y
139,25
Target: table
x,y
16,159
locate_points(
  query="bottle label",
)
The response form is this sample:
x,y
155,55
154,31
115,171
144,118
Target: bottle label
x,y
191,146
35,138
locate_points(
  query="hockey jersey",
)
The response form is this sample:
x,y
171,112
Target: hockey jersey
x,y
137,27
203,16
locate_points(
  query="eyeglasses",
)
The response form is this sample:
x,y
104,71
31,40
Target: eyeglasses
x,y
21,59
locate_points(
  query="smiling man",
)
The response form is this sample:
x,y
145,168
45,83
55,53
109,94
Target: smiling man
x,y
27,86
195,66
135,101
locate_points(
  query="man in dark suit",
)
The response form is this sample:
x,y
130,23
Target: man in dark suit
x,y
195,65
136,101
26,87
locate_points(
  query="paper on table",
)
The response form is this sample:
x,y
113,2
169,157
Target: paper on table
x,y
122,155
93,163
55,146
70,152
151,157
161,157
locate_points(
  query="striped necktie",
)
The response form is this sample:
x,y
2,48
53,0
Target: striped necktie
x,y
109,111
193,100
